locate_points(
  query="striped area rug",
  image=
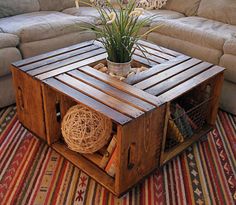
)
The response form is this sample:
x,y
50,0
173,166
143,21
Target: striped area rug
x,y
32,173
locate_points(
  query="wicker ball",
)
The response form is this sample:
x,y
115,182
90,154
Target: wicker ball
x,y
85,130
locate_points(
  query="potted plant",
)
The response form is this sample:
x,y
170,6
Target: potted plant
x,y
120,32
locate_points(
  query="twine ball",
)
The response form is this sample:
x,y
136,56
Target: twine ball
x,y
85,130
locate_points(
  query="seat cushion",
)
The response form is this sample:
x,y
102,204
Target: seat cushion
x,y
211,55
229,61
8,56
83,11
7,90
219,10
43,25
14,7
30,49
157,15
230,46
197,30
228,97
8,40
56,5
189,7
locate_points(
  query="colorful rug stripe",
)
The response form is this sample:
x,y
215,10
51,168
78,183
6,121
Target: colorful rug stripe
x,y
32,173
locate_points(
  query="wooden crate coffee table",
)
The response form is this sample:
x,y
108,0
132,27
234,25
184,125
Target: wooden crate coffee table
x,y
140,107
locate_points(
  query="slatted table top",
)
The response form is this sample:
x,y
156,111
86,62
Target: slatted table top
x,y
69,71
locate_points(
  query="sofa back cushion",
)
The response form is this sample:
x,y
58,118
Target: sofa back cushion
x,y
14,7
55,5
187,7
219,10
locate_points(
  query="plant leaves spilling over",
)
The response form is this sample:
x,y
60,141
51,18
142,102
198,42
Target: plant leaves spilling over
x,y
120,29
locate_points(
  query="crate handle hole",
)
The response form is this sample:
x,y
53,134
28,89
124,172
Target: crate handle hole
x,y
20,98
131,156
58,112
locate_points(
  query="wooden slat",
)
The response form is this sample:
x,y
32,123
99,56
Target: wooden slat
x,y
177,79
143,60
121,85
86,166
150,57
157,53
190,84
51,54
167,74
71,67
134,101
59,57
94,157
69,61
100,96
90,102
159,48
156,69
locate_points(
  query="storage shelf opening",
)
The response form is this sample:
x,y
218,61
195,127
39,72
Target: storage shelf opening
x,y
188,115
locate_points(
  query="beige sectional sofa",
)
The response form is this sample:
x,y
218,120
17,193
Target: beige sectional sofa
x,y
199,28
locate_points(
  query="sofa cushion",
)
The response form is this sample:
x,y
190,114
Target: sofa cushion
x,y
156,14
68,3
220,10
7,90
229,61
8,40
56,5
83,11
228,97
42,25
7,56
50,5
230,46
30,49
197,30
189,7
211,55
13,7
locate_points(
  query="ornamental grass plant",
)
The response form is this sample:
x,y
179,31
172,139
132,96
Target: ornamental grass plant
x,y
120,28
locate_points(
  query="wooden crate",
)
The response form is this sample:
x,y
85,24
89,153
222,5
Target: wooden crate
x,y
48,85
177,79
135,115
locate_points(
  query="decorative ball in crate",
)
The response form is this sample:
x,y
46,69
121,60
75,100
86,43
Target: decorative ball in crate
x,y
85,130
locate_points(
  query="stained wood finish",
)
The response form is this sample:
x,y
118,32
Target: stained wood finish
x,y
29,102
49,84
218,82
156,69
120,85
191,83
88,101
146,141
121,95
50,54
166,74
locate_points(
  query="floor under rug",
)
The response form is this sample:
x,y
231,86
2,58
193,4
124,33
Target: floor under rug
x,y
32,173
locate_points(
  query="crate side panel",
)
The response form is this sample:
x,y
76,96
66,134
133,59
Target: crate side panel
x,y
29,102
55,105
139,145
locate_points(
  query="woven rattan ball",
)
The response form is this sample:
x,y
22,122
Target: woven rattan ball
x,y
85,130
